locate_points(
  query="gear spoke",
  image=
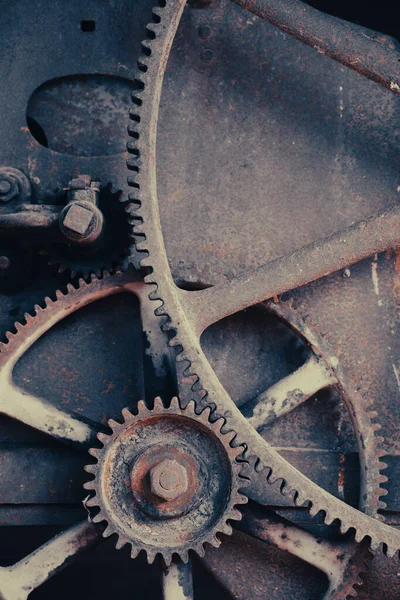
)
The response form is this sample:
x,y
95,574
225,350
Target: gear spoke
x,y
367,237
43,416
19,580
291,391
352,46
177,582
334,559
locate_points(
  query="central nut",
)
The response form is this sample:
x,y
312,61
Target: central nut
x,y
168,480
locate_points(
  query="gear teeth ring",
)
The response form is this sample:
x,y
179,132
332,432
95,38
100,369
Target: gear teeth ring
x,y
135,447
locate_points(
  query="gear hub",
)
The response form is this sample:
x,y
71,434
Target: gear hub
x,y
166,480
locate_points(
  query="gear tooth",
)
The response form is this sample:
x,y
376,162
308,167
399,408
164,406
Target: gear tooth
x,y
158,403
141,406
114,425
313,510
167,556
108,531
9,335
205,415
126,413
230,436
214,541
184,556
241,498
227,529
235,515
121,542
97,518
59,294
175,404
92,502
134,551
190,409
151,555
238,450
18,326
70,288
374,545
94,452
90,468
103,437
89,485
218,425
201,550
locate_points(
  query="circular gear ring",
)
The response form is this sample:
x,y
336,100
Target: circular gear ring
x,y
183,476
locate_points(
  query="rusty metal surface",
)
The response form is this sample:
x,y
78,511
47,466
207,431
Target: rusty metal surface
x,y
136,512
239,230
354,47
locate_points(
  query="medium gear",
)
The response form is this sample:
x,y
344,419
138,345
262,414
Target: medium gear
x,y
166,481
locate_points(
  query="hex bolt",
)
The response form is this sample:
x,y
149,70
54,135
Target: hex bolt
x,y
168,480
81,222
13,184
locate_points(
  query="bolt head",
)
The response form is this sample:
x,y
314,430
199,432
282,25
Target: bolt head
x,y
81,222
77,219
168,480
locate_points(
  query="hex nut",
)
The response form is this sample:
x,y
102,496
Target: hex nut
x,y
168,480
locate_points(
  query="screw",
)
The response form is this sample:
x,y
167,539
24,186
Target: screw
x,y
168,479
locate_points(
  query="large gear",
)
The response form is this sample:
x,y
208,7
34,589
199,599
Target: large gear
x,y
183,313
135,450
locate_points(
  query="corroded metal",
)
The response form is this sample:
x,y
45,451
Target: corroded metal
x,y
142,516
352,46
19,580
171,303
185,315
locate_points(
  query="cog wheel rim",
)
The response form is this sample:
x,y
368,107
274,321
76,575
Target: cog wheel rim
x,y
127,525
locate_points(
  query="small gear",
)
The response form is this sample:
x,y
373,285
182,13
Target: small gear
x,y
109,252
166,480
